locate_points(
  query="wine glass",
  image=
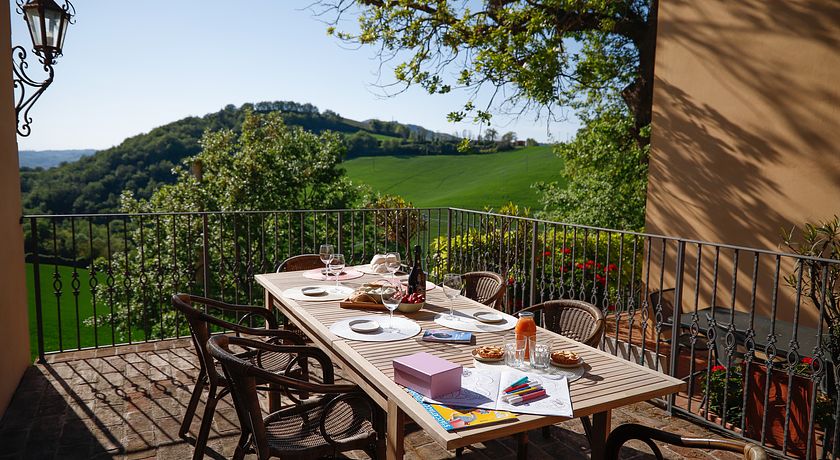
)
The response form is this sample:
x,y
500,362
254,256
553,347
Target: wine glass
x,y
326,252
452,286
392,295
336,265
393,262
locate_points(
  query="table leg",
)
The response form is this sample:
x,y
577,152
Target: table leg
x,y
395,432
600,431
274,399
522,446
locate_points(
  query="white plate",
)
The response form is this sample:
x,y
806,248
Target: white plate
x,y
313,291
478,357
567,366
488,317
364,326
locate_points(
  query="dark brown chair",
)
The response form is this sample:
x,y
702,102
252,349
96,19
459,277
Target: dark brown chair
x,y
624,433
301,262
341,418
487,288
201,324
578,320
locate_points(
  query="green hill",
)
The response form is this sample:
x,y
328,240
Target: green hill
x,y
469,181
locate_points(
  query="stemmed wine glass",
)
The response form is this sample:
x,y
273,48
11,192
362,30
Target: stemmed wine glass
x,y
392,295
336,265
326,252
452,286
392,263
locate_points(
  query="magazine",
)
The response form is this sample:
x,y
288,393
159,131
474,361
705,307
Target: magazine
x,y
448,336
484,389
454,419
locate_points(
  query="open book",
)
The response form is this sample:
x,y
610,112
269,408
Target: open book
x,y
484,388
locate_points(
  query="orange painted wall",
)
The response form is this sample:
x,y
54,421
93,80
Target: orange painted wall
x,y
14,354
746,125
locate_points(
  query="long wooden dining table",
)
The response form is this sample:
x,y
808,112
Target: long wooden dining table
x,y
609,382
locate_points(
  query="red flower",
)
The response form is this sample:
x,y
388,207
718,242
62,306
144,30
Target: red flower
x,y
511,281
601,279
719,368
610,307
611,268
807,361
547,253
567,250
590,263
579,265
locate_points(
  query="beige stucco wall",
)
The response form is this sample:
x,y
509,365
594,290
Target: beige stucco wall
x,y
14,352
746,123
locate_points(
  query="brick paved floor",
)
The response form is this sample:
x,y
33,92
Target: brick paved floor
x,y
128,402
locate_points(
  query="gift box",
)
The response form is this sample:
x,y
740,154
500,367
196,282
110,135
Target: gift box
x,y
427,374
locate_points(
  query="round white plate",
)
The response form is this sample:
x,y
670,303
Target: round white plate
x,y
296,293
477,357
364,326
488,317
405,329
465,321
313,291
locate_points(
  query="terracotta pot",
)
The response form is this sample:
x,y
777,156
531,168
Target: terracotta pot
x,y
799,394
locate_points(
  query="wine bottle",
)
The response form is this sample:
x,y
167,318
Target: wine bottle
x,y
417,278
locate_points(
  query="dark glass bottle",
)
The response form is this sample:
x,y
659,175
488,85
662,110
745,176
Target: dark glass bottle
x,y
417,278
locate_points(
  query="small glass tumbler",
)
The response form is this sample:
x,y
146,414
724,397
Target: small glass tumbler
x,y
540,353
515,351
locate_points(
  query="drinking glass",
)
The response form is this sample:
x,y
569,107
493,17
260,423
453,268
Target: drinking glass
x,y
326,252
515,350
392,262
540,353
336,265
452,286
392,295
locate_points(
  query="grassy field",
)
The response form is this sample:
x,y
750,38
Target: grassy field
x,y
468,181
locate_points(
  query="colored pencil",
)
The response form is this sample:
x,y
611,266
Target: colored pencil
x,y
516,383
528,397
517,387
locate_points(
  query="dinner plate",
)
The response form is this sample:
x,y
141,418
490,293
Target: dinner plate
x,y
567,366
478,357
488,317
313,291
364,326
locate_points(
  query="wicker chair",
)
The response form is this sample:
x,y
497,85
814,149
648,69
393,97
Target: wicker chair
x,y
301,262
624,433
578,320
342,418
575,319
487,288
200,323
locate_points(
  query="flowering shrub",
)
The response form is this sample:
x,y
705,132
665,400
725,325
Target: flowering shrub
x,y
729,389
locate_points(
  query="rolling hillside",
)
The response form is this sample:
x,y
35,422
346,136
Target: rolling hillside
x,y
469,181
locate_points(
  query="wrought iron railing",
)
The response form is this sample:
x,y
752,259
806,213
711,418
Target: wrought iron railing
x,y
753,327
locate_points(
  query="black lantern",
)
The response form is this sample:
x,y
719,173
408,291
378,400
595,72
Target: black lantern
x,y
47,23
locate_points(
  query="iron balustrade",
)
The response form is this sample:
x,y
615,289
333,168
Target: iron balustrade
x,y
744,327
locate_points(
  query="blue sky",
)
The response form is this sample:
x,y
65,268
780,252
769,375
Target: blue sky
x,y
131,66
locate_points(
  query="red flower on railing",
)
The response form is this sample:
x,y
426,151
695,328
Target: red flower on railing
x,y
807,361
547,253
511,281
611,268
601,279
719,368
567,250
579,265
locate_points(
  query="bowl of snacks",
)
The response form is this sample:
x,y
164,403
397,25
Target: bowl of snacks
x,y
489,354
566,358
412,303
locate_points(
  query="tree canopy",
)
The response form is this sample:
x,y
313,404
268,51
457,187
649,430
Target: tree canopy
x,y
548,54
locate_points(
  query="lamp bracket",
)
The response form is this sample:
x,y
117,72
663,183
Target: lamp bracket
x,y
24,103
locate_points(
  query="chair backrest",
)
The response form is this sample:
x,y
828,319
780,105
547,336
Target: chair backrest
x,y
575,319
200,322
484,287
301,262
626,432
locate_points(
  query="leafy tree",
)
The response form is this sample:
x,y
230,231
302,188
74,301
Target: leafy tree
x,y
545,53
531,142
491,135
360,143
268,166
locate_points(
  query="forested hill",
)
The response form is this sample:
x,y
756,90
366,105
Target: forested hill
x,y
141,163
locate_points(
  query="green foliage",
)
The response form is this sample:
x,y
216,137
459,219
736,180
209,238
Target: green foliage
x,y
398,221
606,176
726,386
268,166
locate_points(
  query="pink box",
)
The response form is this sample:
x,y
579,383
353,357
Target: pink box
x,y
427,374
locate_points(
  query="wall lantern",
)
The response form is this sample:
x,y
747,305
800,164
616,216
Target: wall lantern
x,y
47,23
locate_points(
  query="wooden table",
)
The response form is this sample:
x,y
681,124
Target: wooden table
x,y
610,382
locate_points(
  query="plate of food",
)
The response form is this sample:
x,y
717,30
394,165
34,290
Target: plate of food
x,y
566,359
364,326
313,291
489,354
488,317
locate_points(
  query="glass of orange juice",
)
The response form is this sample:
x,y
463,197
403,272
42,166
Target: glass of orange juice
x,y
526,329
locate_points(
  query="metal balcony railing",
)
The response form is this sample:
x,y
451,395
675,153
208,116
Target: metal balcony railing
x,y
750,331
